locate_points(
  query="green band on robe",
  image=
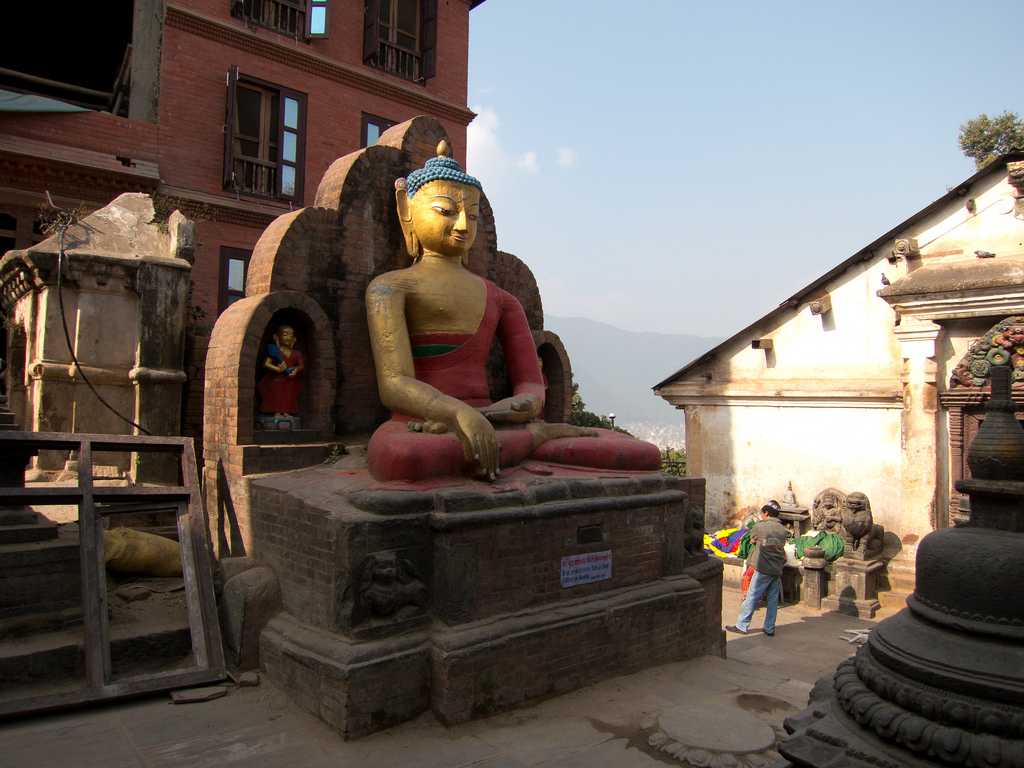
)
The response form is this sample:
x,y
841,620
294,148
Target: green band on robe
x,y
432,350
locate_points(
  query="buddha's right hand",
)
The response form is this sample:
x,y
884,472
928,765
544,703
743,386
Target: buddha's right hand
x,y
479,442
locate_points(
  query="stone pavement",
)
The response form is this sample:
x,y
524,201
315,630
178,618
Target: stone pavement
x,y
602,725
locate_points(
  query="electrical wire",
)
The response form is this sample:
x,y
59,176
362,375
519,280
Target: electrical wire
x,y
67,336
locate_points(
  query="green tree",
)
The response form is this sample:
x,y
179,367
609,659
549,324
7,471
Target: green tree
x,y
985,138
581,417
673,462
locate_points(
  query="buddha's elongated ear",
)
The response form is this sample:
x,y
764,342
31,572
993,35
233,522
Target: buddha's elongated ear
x,y
412,244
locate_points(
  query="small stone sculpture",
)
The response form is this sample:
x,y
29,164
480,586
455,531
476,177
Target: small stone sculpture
x,y
827,510
789,498
384,583
859,529
693,536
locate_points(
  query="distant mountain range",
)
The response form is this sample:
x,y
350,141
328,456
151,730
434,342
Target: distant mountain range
x,y
616,369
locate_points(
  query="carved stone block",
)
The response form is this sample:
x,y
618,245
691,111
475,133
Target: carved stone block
x,y
854,587
815,577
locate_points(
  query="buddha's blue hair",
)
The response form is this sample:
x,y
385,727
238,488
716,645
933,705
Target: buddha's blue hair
x,y
439,168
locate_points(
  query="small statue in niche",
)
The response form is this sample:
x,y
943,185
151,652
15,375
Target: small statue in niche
x,y
827,511
279,388
382,584
859,528
693,535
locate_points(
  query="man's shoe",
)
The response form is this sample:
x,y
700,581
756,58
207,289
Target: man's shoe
x,y
737,630
769,634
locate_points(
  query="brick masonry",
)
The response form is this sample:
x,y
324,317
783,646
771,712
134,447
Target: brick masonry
x,y
498,628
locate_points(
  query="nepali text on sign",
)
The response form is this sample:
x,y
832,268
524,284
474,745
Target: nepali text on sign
x,y
583,569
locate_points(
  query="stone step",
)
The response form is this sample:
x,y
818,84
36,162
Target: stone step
x,y
20,534
893,598
36,573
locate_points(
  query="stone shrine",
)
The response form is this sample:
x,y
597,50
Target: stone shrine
x,y
465,585
941,682
123,302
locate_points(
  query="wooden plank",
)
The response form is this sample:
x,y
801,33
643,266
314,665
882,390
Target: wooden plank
x,y
193,596
71,495
203,552
131,686
94,582
46,495
69,441
135,493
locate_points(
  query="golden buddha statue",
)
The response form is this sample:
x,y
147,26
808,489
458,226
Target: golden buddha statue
x,y
431,328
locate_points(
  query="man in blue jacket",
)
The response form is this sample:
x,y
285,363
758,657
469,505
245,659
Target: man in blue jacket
x,y
767,559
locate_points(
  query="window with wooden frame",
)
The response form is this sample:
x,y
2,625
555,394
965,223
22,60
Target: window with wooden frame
x,y
372,128
234,266
400,37
295,18
264,139
317,24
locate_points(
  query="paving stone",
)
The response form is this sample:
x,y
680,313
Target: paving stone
x,y
195,695
245,679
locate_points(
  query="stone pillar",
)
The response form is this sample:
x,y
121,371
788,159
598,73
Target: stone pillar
x,y
854,588
815,577
919,468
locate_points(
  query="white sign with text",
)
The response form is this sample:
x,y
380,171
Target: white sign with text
x,y
583,569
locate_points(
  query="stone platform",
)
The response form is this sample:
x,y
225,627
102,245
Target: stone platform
x,y
470,598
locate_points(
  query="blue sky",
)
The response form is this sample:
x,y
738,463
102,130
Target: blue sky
x,y
683,167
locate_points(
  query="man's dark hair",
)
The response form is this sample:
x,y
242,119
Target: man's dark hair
x,y
772,508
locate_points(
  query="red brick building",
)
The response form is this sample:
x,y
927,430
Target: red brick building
x,y
228,109
233,109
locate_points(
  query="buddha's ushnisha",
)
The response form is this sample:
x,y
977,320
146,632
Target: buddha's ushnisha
x,y
431,328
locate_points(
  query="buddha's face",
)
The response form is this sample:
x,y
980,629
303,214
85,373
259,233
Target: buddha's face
x,y
286,336
444,215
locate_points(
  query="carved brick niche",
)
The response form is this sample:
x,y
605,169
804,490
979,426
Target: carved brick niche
x,y
970,387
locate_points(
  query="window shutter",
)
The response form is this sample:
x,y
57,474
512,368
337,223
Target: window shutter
x,y
428,37
371,30
229,129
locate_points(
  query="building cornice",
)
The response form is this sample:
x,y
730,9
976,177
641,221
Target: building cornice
x,y
362,78
200,206
72,182
986,303
846,393
894,402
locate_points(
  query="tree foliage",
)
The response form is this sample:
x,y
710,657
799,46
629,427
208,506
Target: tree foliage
x,y
985,138
673,461
581,417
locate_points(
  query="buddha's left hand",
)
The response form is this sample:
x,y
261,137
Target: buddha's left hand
x,y
517,409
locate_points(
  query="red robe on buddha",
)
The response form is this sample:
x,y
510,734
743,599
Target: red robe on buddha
x,y
456,364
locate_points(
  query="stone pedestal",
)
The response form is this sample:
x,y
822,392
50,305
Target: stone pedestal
x,y
854,587
470,598
815,577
